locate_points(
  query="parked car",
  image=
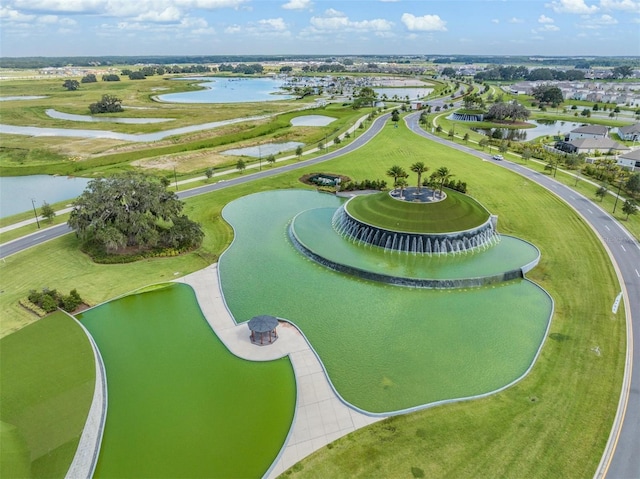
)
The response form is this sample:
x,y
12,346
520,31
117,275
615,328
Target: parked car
x,y
498,157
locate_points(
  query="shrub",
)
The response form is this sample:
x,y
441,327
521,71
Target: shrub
x,y
48,300
48,303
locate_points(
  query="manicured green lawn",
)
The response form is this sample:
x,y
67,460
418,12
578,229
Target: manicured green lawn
x,y
556,421
456,212
552,424
47,377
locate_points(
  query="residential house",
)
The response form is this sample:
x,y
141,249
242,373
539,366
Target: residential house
x,y
592,146
588,131
629,160
629,133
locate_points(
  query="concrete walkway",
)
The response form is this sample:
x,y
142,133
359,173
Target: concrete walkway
x,y
320,416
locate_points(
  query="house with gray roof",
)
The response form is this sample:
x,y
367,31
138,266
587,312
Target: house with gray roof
x,y
629,133
591,146
588,131
629,160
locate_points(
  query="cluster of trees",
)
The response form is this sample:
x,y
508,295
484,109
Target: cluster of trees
x,y
473,101
516,73
71,85
49,300
513,111
437,180
89,78
242,68
547,94
108,104
365,97
622,71
132,211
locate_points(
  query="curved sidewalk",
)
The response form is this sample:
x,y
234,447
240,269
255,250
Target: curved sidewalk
x,y
320,416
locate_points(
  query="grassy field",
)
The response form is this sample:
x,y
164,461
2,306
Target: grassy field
x,y
552,424
456,212
186,153
573,178
46,385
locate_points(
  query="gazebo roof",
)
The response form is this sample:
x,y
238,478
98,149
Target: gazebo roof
x,y
263,324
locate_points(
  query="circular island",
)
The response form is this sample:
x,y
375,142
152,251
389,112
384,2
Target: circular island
x,y
419,222
424,239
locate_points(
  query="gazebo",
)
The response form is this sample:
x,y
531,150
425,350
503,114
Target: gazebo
x,y
260,326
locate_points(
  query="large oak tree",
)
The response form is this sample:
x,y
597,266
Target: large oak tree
x,y
132,210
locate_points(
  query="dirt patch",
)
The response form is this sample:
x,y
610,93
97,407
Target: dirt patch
x,y
183,163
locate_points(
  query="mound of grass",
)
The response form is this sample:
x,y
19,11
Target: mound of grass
x,y
47,378
457,212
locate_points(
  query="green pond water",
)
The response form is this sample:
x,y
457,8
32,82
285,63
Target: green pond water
x,y
313,229
179,403
386,348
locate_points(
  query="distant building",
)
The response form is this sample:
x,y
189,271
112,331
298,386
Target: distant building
x,y
591,146
629,160
588,131
629,133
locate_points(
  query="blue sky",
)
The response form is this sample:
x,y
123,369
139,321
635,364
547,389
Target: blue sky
x,y
345,27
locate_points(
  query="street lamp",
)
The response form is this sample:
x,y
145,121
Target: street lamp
x,y
617,195
33,203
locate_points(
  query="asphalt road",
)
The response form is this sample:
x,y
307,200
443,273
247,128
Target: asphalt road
x,y
20,244
621,459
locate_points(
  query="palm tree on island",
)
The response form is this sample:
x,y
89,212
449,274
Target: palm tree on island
x,y
402,184
419,168
443,175
396,172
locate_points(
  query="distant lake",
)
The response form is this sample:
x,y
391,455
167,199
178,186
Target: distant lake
x,y
542,128
229,90
16,192
105,119
412,93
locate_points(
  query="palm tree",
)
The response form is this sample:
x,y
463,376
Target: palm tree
x,y
402,184
418,168
396,172
442,175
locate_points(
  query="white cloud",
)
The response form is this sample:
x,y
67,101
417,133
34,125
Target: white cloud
x,y
233,29
598,22
426,23
572,6
624,5
495,20
10,15
335,20
170,14
48,19
276,24
545,19
298,5
516,20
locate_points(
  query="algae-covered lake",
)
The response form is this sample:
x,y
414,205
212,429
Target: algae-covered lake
x,y
179,403
386,348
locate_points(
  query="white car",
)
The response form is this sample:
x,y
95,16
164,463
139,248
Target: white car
x,y
497,157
